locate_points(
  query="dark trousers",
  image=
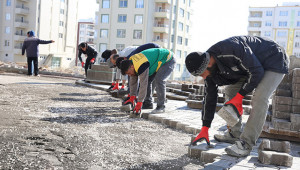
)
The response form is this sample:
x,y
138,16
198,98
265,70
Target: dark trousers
x,y
88,64
35,65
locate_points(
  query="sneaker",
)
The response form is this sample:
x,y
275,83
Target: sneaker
x,y
158,110
226,137
239,149
37,75
147,105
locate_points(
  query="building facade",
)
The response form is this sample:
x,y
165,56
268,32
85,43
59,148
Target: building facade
x,y
280,23
49,19
121,23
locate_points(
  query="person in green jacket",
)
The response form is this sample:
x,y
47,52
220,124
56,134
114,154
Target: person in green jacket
x,y
156,61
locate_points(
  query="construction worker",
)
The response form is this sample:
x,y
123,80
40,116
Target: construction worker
x,y
158,61
244,64
90,53
106,56
126,53
31,45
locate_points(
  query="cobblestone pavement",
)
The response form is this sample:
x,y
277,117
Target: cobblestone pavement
x,y
52,123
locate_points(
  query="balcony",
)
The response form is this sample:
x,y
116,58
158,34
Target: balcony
x,y
254,28
161,28
22,10
162,13
163,1
254,18
21,23
19,37
162,42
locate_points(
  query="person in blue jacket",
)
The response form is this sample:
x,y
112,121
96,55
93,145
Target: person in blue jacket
x,y
244,64
31,46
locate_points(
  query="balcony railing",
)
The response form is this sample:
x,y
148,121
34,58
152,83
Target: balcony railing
x,y
22,21
161,25
162,10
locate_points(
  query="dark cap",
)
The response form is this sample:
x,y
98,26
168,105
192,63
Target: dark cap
x,y
197,62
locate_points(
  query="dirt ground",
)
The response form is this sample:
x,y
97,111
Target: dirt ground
x,y
51,123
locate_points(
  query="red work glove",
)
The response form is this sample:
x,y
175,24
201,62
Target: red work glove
x,y
116,87
82,64
92,60
130,100
203,135
122,87
237,102
138,107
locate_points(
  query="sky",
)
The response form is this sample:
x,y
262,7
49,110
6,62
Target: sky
x,y
212,20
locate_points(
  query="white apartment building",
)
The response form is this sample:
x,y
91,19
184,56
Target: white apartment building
x,y
280,23
121,23
49,19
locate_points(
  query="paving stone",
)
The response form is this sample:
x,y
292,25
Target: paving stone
x,y
295,126
296,87
209,155
271,145
281,100
281,115
296,109
275,158
194,104
282,92
281,108
173,123
190,129
296,80
220,164
181,126
296,94
195,97
281,124
195,151
285,86
296,72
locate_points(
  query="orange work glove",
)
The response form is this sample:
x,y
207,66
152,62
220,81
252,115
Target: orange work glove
x,y
237,102
203,135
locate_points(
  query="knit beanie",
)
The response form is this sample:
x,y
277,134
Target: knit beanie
x,y
106,54
196,62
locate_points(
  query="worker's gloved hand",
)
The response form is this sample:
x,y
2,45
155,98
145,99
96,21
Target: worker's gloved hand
x,y
82,64
92,61
116,87
138,107
237,102
130,100
203,135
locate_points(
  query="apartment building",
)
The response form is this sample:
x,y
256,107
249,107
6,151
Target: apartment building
x,y
85,33
280,23
121,23
49,19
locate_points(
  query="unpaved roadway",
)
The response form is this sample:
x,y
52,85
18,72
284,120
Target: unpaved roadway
x,y
51,123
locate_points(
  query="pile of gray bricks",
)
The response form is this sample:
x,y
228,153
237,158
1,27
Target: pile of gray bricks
x,y
275,153
285,119
100,74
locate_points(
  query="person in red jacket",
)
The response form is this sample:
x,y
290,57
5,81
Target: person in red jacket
x,y
91,54
243,64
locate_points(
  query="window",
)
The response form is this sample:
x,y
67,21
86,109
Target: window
x,y
269,13
178,67
122,18
139,4
298,23
298,13
180,26
178,54
103,33
62,11
283,13
172,38
189,3
183,1
6,43
62,1
297,45
7,30
185,54
8,2
121,33
120,47
138,19
137,34
104,18
102,47
179,40
181,12
81,39
187,29
256,25
297,55
268,24
61,23
297,34
174,10
267,33
82,26
282,44
7,16
281,33
188,15
105,3
122,3
186,42
282,23
60,35
173,24
81,32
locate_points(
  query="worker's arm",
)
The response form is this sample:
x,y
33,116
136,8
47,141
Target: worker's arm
x,y
143,85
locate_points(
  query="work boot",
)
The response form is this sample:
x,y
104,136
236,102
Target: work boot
x,y
226,136
239,149
147,105
158,109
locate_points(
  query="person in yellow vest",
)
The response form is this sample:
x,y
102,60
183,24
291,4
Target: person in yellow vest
x,y
155,61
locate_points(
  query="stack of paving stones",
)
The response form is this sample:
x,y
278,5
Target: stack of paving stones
x,y
275,153
285,120
100,74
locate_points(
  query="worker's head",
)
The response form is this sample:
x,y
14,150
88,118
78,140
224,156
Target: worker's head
x,y
127,67
200,64
111,60
83,46
30,33
119,60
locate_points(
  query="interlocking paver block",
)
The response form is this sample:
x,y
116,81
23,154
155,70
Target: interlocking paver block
x,y
281,115
282,92
296,80
296,94
279,146
296,109
281,124
283,100
195,151
296,72
275,158
281,108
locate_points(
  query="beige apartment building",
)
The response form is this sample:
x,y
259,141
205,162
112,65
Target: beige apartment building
x,y
49,19
121,23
